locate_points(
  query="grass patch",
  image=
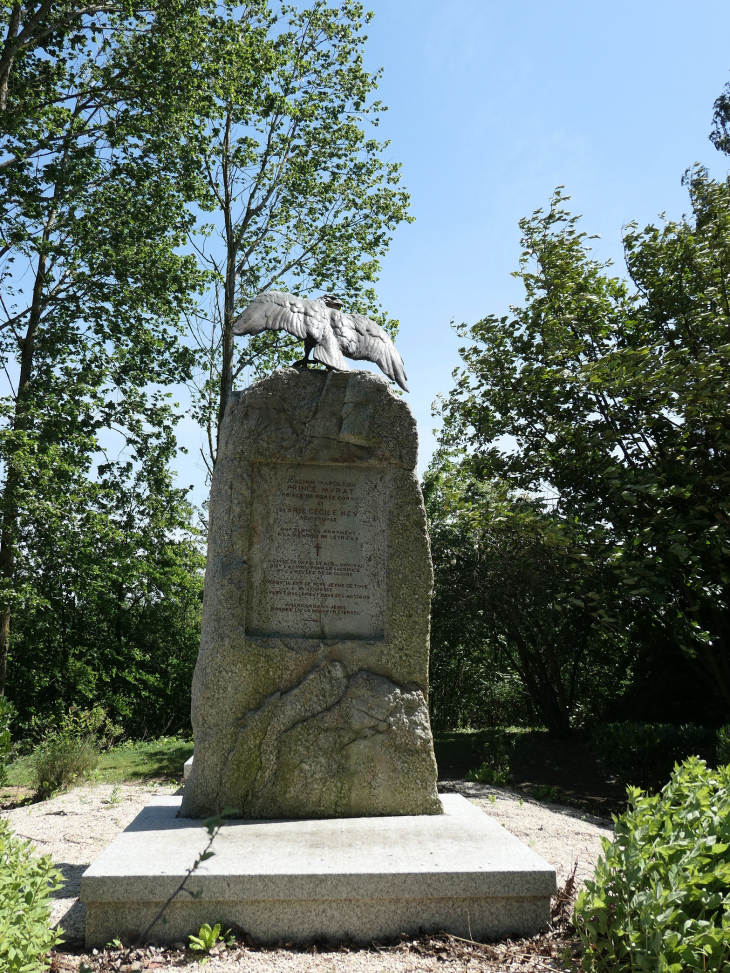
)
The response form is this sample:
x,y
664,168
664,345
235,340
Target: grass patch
x,y
153,760
161,759
20,772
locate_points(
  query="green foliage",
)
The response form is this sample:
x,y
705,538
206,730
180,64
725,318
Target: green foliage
x,y
495,746
546,792
659,899
7,712
606,402
162,758
119,623
643,754
132,760
498,776
26,887
306,198
59,762
720,135
510,633
69,751
97,105
722,745
207,938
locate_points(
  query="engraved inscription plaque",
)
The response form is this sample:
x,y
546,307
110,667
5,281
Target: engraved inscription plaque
x,y
317,557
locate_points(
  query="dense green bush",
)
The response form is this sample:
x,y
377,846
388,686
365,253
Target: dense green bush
x,y
26,886
7,711
497,746
547,664
643,754
722,745
660,898
71,750
118,626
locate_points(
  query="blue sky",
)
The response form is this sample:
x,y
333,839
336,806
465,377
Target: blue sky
x,y
492,104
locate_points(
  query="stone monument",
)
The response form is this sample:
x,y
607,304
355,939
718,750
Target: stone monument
x,y
310,690
310,695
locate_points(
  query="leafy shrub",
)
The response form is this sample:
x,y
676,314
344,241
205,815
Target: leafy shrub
x,y
490,775
546,792
494,748
69,751
643,754
7,712
722,745
26,885
660,898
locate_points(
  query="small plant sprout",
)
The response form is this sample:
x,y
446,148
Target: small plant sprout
x,y
207,938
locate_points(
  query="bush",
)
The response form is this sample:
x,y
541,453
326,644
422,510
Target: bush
x,y
26,885
69,751
495,749
7,712
643,754
490,775
722,745
660,898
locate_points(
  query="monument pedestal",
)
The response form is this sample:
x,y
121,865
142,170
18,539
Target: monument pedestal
x,y
359,879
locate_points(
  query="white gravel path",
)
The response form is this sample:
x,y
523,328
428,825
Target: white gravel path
x,y
562,835
74,827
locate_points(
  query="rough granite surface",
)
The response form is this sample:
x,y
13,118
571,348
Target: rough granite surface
x,y
331,721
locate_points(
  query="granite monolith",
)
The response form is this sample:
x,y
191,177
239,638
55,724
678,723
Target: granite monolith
x,y
310,690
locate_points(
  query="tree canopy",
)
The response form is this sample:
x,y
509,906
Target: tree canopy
x,y
124,128
299,194
94,282
608,398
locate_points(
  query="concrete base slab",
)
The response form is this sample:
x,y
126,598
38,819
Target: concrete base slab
x,y
345,879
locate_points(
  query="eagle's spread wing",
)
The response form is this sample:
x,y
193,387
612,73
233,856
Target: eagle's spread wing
x,y
279,311
363,339
307,320
328,332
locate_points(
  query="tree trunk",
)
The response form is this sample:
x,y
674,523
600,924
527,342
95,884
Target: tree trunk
x,y
229,290
227,342
546,697
8,498
8,53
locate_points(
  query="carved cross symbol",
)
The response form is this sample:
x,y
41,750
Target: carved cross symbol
x,y
316,546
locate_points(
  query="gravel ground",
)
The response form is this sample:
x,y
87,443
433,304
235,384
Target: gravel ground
x,y
74,827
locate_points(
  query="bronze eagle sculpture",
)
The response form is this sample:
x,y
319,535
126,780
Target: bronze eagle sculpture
x,y
328,333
